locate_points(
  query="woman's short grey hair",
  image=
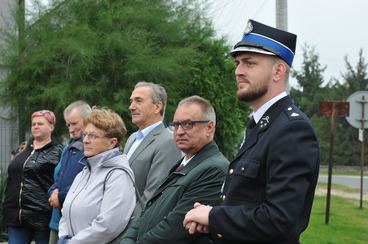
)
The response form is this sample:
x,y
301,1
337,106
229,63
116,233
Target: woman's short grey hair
x,y
83,108
158,93
208,112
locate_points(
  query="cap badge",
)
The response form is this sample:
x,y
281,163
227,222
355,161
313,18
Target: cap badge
x,y
248,28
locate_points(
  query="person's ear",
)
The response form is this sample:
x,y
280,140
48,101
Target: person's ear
x,y
279,70
113,142
210,127
158,106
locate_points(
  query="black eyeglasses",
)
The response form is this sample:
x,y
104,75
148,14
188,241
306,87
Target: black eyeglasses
x,y
187,124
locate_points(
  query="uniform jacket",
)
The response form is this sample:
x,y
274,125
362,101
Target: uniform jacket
x,y
30,175
269,189
70,165
99,204
162,220
152,159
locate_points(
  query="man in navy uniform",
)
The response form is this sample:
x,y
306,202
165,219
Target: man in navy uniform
x,y
268,192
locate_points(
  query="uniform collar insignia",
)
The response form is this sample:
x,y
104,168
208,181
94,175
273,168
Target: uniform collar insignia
x,y
264,121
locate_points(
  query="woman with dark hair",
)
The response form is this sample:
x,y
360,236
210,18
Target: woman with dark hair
x,y
26,209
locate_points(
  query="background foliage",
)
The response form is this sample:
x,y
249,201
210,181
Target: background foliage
x,y
312,89
98,50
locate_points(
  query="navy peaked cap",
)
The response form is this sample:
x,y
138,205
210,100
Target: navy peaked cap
x,y
265,39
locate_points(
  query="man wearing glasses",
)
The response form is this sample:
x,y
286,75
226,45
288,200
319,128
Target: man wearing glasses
x,y
196,177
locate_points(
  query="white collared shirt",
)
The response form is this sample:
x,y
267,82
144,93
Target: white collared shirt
x,y
139,137
257,115
186,161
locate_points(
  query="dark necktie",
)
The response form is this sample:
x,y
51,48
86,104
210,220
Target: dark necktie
x,y
250,126
179,168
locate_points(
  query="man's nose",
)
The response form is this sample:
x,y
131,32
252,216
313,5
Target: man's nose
x,y
180,130
131,106
237,71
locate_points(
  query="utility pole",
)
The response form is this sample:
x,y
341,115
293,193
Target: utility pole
x,y
281,15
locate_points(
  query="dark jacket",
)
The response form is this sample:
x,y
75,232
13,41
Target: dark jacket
x,y
70,165
269,190
30,175
161,222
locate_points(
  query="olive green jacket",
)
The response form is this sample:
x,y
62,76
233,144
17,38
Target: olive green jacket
x,y
161,222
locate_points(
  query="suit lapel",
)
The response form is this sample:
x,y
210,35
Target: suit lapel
x,y
129,143
264,124
204,153
147,141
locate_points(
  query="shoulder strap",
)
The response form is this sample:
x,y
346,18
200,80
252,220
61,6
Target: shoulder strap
x,y
131,178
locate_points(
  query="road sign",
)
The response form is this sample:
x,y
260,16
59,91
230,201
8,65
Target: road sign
x,y
334,108
358,113
357,118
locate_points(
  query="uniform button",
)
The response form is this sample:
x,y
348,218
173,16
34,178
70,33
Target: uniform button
x,y
219,235
231,171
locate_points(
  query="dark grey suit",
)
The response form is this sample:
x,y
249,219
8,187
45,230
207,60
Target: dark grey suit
x,y
152,159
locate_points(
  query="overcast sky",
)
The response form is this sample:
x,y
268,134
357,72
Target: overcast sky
x,y
335,28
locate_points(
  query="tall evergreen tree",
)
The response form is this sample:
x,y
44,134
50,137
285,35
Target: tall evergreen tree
x,y
310,79
310,92
97,50
354,79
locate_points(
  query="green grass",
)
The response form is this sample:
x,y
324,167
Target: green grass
x,y
339,187
348,223
342,172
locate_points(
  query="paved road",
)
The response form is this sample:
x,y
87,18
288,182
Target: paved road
x,y
349,181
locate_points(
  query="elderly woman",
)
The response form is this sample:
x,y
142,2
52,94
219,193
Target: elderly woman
x,y
101,199
30,174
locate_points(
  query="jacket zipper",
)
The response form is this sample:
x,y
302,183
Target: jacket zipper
x,y
21,188
71,202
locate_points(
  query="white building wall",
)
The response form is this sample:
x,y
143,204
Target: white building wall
x,y
8,123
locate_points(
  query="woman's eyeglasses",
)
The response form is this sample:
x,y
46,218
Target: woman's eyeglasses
x,y
91,136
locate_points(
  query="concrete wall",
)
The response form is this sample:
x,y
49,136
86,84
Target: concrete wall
x,y
8,122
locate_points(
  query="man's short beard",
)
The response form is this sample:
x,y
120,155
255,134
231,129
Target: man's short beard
x,y
251,95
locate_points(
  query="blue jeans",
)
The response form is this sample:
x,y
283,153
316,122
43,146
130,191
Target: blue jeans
x,y
24,235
